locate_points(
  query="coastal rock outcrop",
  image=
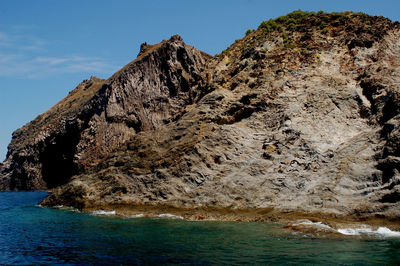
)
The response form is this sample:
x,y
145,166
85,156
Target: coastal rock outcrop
x,y
300,115
100,115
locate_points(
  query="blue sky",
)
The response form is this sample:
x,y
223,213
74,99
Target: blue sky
x,y
47,47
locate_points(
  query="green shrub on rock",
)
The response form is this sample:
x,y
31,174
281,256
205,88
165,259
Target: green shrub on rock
x,y
268,26
249,31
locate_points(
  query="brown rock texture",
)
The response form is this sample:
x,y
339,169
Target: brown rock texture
x,y
300,115
100,115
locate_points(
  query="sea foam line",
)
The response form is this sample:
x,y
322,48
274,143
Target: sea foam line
x,y
381,231
316,224
363,230
102,212
170,216
62,207
140,215
162,215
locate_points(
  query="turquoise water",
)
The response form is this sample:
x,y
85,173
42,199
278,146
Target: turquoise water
x,y
34,235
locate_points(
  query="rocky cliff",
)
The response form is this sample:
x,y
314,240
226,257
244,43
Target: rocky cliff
x,y
300,115
98,116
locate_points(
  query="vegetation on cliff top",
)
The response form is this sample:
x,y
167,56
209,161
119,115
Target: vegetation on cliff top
x,y
296,20
325,24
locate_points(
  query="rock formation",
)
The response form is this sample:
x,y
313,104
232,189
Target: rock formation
x,y
98,116
300,115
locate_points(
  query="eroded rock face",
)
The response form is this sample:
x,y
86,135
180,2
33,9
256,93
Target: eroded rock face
x,y
300,115
100,115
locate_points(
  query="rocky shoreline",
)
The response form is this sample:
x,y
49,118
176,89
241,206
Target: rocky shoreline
x,y
314,224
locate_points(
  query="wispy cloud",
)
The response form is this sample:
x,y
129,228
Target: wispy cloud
x,y
27,56
18,41
12,65
5,40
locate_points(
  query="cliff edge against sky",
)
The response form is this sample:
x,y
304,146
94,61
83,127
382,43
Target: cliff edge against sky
x,y
300,115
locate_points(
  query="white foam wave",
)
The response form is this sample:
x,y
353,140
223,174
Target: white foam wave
x,y
170,216
140,215
66,208
387,232
381,231
355,231
315,224
361,231
102,212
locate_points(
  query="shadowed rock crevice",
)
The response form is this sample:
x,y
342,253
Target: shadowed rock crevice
x,y
58,157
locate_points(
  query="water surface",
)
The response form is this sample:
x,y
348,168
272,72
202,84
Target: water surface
x,y
33,235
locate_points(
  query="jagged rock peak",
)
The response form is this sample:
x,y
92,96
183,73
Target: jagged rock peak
x,y
176,38
94,78
145,47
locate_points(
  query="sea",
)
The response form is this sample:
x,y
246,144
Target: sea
x,y
34,235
